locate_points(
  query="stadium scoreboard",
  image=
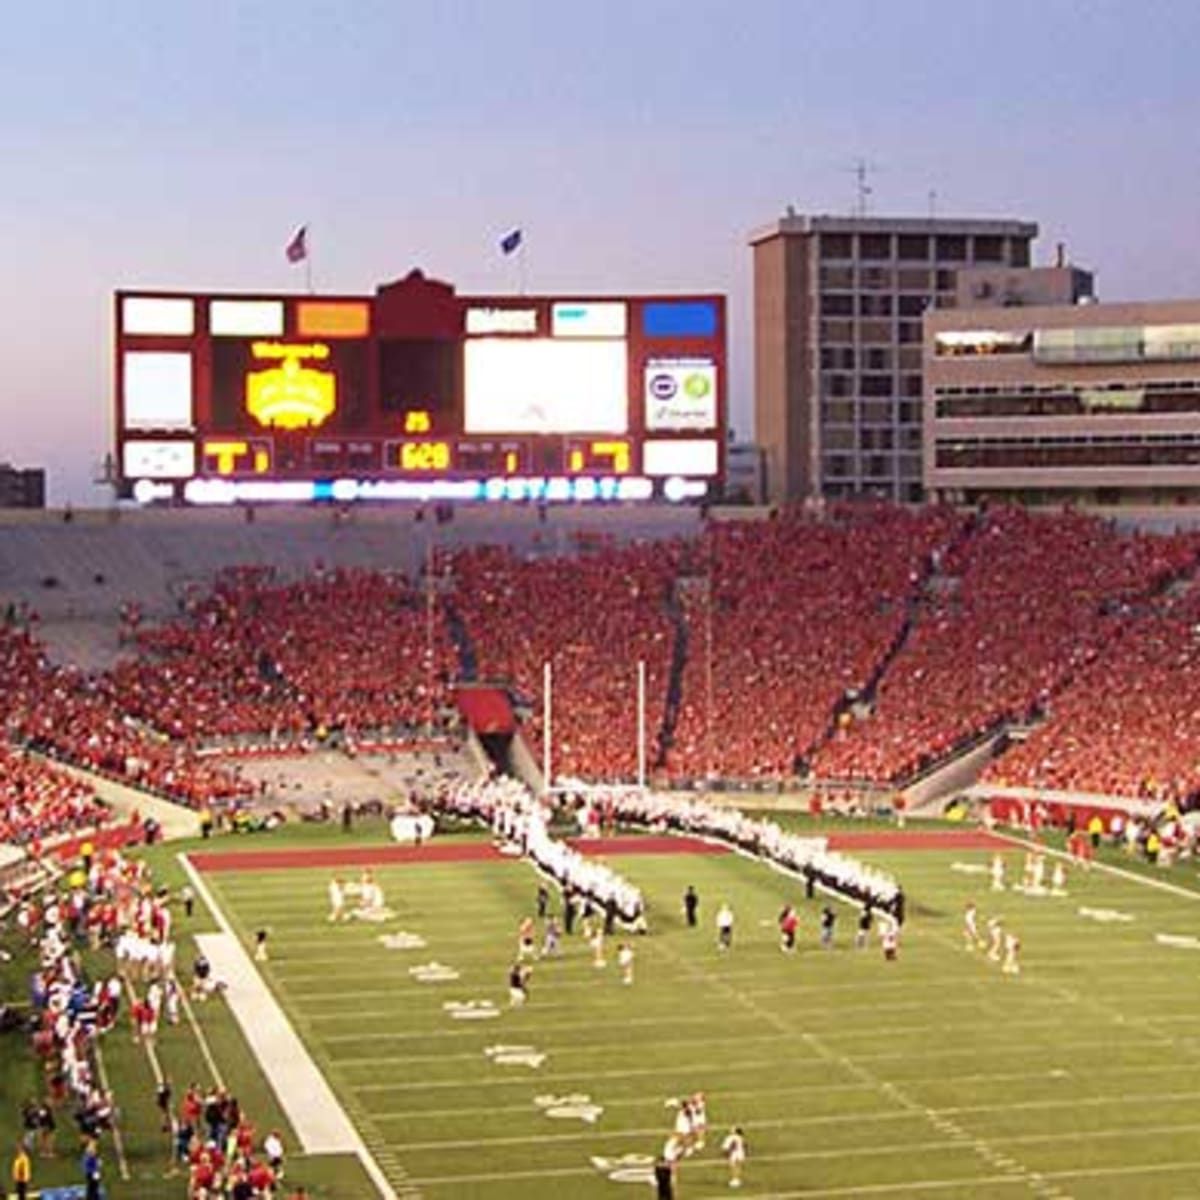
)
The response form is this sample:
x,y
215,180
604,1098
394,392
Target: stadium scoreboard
x,y
416,392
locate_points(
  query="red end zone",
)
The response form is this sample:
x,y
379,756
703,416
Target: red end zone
x,y
327,857
914,839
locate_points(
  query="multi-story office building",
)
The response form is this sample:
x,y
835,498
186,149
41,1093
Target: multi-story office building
x,y
22,488
1086,403
838,304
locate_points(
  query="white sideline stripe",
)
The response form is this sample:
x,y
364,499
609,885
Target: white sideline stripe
x,y
299,1086
303,1093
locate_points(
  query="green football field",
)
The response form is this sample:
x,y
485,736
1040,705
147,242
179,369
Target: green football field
x,y
934,1075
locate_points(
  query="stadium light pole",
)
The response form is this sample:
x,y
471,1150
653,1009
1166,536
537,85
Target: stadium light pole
x,y
429,671
708,666
547,711
641,721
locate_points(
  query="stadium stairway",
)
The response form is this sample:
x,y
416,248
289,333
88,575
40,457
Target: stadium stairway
x,y
929,580
679,658
460,635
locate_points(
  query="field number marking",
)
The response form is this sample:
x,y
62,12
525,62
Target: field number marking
x,y
578,1106
1107,916
433,972
402,941
628,1168
471,1010
515,1056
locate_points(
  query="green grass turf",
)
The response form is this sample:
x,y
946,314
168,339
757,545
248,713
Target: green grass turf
x,y
932,1076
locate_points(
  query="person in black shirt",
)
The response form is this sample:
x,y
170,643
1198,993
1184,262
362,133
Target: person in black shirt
x,y
568,913
864,928
543,900
691,906
828,917
664,1179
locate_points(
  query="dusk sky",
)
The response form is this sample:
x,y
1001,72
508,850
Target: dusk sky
x,y
636,142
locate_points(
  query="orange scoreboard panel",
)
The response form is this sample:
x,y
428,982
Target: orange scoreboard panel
x,y
416,382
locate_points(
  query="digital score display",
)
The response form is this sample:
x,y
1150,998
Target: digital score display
x,y
416,382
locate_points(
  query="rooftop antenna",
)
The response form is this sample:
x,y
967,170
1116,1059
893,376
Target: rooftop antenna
x,y
933,202
862,170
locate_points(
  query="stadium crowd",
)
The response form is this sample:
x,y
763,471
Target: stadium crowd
x,y
784,619
856,645
40,801
342,650
64,713
593,618
1129,724
1029,601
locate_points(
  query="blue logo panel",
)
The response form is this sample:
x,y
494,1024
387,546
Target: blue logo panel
x,y
679,318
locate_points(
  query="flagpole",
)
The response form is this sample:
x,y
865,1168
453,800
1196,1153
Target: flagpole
x,y
307,263
521,267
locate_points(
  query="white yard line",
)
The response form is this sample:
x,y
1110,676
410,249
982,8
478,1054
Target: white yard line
x,y
118,1140
314,1111
205,1050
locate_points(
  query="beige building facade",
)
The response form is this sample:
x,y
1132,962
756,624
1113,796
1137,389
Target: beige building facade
x,y
1095,404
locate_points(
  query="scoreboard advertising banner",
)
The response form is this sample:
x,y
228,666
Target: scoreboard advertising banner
x,y
419,393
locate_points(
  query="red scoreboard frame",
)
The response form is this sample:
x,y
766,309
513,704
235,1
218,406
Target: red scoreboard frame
x,y
418,383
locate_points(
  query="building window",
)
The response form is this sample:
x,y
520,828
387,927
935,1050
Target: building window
x,y
913,306
875,279
838,412
910,279
834,305
875,439
876,332
837,331
837,358
910,385
836,245
838,437
946,280
909,331
1018,254
913,247
989,248
839,465
876,385
835,385
875,245
876,412
874,306
910,412
837,277
878,358
951,248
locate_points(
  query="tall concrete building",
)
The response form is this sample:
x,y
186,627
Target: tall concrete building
x,y
838,303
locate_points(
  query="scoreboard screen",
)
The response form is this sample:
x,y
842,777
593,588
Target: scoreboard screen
x,y
417,392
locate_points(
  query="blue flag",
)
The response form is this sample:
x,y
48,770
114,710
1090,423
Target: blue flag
x,y
510,242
